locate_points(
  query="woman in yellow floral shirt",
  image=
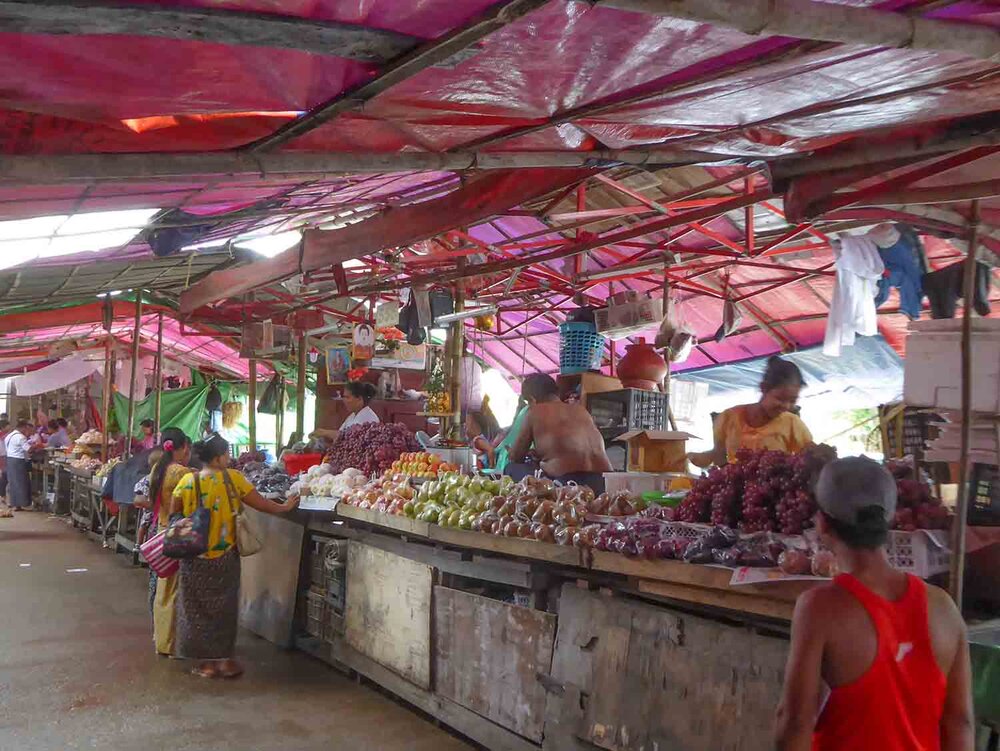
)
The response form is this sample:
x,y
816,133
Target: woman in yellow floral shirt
x,y
209,589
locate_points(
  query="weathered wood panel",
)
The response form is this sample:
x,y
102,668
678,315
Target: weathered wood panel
x,y
269,580
487,734
388,614
630,676
488,655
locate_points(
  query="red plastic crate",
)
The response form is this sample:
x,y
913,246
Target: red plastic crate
x,y
296,463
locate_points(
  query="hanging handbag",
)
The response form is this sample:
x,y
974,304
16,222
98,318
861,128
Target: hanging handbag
x,y
152,554
248,539
187,536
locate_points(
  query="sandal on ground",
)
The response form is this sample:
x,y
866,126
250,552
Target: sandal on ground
x,y
206,671
232,669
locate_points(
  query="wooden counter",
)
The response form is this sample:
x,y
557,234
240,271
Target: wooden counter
x,y
672,580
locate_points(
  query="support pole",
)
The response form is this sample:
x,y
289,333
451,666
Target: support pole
x,y
455,350
252,398
612,355
135,372
109,377
666,312
158,374
965,489
279,417
300,390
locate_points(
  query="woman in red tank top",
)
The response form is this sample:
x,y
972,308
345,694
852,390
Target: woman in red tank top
x,y
878,660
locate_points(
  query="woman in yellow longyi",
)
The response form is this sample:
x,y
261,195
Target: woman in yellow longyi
x,y
767,424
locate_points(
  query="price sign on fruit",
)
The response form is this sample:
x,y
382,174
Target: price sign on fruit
x,y
364,342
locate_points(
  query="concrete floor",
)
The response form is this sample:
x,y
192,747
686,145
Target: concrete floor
x,y
77,669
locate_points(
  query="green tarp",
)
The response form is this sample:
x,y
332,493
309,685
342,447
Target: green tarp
x,y
185,409
181,408
986,681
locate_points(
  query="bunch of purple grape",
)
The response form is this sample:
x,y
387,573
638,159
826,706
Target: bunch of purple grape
x,y
762,491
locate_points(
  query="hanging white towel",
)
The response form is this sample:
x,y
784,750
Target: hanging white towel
x,y
852,310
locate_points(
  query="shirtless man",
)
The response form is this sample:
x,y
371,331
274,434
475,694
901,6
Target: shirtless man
x,y
878,659
567,443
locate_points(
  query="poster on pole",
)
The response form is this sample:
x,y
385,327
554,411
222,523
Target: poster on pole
x,y
364,342
338,362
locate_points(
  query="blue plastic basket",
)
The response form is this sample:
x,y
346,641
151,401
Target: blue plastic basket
x,y
581,348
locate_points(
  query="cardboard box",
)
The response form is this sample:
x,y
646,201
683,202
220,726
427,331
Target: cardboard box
x,y
656,450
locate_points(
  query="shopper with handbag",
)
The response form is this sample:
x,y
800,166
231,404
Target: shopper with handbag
x,y
170,467
215,533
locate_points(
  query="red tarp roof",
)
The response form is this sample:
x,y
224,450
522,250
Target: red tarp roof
x,y
567,76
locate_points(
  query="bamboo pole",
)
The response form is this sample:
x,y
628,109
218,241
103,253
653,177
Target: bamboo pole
x,y
282,166
109,378
827,22
158,374
134,373
965,490
252,406
456,337
300,390
666,312
279,417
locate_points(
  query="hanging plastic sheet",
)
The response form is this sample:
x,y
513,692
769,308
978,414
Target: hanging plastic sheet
x,y
183,409
56,376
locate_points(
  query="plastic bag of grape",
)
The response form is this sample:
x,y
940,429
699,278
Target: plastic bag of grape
x,y
370,447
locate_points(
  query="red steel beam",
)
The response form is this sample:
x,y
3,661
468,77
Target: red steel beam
x,y
784,282
795,231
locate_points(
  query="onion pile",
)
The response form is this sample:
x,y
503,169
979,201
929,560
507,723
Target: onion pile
x,y
370,447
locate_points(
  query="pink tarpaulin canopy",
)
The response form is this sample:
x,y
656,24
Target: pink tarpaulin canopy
x,y
825,136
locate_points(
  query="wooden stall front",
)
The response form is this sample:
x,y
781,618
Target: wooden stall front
x,y
525,645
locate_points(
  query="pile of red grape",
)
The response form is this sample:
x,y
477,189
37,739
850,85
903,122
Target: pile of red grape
x,y
370,447
762,491
916,508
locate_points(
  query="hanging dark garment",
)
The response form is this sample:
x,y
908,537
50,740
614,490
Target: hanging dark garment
x,y
944,289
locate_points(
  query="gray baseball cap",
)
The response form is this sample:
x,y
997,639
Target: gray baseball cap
x,y
848,485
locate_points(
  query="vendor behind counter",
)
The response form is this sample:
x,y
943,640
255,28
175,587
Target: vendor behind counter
x,y
562,437
357,396
770,423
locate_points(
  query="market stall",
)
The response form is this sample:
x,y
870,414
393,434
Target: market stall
x,y
629,224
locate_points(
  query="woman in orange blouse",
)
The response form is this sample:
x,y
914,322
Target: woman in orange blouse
x,y
769,424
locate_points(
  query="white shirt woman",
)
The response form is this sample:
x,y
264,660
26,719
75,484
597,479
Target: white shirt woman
x,y
357,395
364,415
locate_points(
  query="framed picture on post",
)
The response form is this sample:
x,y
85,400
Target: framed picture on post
x,y
338,362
